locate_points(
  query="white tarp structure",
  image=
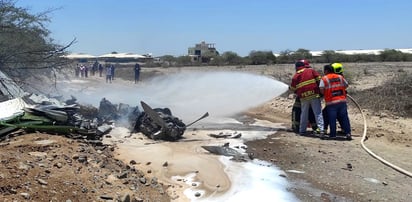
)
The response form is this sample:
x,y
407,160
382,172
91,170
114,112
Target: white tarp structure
x,y
11,102
77,56
122,55
80,56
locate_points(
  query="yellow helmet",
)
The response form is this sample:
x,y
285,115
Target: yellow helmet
x,y
337,68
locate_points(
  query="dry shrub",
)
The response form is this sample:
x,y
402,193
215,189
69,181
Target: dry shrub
x,y
393,96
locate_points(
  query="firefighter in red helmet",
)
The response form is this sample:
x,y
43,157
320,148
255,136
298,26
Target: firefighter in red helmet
x,y
305,85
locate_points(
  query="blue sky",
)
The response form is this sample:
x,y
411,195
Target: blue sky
x,y
167,27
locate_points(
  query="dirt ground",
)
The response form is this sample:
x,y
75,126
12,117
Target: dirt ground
x,y
340,170
46,167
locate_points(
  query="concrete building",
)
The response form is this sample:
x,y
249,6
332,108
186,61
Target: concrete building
x,y
202,51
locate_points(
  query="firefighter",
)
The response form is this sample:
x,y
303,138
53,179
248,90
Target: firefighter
x,y
296,111
338,69
305,85
333,87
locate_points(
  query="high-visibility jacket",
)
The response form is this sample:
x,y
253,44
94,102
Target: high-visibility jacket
x,y
334,88
305,84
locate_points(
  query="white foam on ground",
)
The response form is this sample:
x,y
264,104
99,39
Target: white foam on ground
x,y
253,180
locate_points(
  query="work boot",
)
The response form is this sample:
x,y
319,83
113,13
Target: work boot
x,y
316,132
323,135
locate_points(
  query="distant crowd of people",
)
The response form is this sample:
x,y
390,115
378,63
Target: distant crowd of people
x,y
82,71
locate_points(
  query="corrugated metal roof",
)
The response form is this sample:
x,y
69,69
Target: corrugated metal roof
x,y
9,88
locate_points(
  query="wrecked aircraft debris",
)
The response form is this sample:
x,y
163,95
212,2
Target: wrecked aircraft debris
x,y
159,123
32,112
52,118
88,122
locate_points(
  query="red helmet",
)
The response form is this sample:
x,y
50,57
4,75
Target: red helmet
x,y
306,62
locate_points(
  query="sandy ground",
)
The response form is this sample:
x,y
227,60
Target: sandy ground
x,y
339,170
319,170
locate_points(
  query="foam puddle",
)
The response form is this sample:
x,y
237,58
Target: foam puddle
x,y
255,181
197,175
251,181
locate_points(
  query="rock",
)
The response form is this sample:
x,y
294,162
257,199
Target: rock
x,y
154,181
325,197
137,199
142,180
125,198
58,165
25,195
106,197
42,182
123,175
82,159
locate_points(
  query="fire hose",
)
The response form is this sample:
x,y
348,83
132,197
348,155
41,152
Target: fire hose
x,y
403,171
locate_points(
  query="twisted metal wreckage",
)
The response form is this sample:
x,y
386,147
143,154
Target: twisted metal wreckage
x,y
31,112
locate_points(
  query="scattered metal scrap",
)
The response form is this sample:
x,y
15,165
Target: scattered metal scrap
x,y
235,135
88,122
159,123
225,150
32,112
63,119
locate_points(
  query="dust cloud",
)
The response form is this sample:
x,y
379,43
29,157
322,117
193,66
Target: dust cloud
x,y
188,94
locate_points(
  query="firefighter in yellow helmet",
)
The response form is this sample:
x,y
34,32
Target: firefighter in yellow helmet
x,y
333,87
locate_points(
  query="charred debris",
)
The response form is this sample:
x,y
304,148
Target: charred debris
x,y
87,122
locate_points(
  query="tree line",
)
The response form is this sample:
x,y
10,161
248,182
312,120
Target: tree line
x,y
287,57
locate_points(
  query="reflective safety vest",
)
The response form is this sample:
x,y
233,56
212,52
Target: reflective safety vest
x,y
305,84
334,89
